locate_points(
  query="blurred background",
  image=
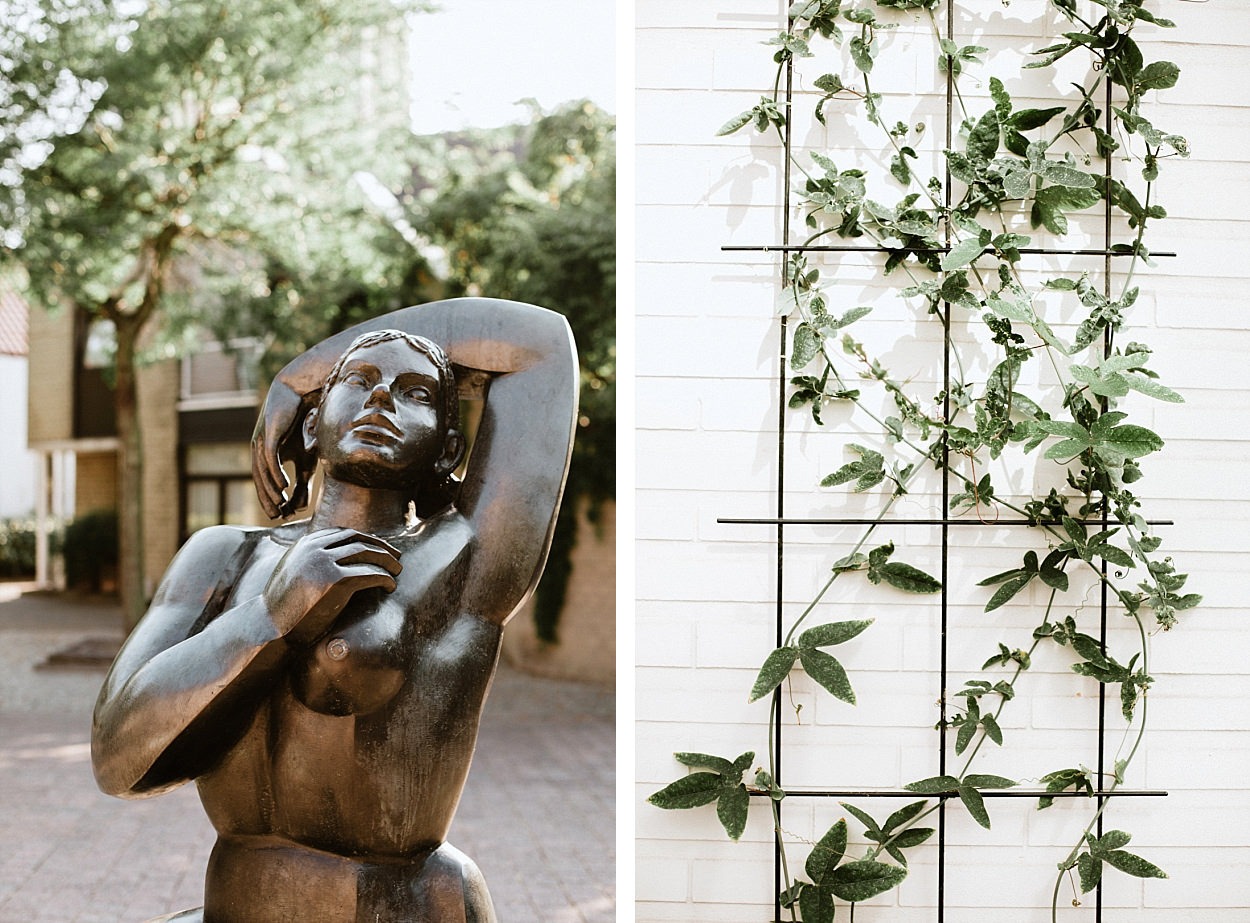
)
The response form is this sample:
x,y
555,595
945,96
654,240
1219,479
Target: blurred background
x,y
193,192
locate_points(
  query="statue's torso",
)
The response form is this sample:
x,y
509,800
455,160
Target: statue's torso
x,y
362,748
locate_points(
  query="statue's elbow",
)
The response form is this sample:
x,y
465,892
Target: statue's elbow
x,y
112,763
109,769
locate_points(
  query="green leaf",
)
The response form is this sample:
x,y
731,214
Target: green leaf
x,y
967,731
861,54
731,809
827,853
1062,175
1111,554
1160,75
829,83
1007,591
1126,64
1132,865
1062,779
904,814
742,118
983,139
905,577
1126,441
832,633
1090,870
864,879
1151,388
1112,839
982,780
1050,203
776,668
935,785
906,840
720,764
868,472
913,837
992,730
871,830
692,791
975,804
816,905
807,343
850,562
1028,119
962,254
790,895
826,670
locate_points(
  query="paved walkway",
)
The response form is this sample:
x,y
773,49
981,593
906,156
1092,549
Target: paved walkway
x,y
537,814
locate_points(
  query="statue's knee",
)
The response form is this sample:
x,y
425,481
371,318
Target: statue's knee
x,y
454,884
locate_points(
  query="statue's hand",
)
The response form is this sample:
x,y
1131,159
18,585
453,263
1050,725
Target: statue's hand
x,y
277,438
318,575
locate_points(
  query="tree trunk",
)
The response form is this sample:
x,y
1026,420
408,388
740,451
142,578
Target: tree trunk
x,y
131,582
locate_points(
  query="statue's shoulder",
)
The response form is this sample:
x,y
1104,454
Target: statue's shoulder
x,y
211,547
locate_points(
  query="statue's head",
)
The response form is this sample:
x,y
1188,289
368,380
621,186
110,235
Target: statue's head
x,y
389,418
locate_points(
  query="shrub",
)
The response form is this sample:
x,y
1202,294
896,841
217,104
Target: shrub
x,y
90,549
17,547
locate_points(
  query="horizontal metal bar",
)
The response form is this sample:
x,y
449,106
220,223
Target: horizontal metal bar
x,y
846,248
997,793
788,521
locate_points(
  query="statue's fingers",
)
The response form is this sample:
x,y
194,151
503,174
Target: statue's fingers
x,y
267,474
354,554
363,577
352,535
271,499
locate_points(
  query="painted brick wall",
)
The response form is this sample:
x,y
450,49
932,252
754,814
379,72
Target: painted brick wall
x,y
706,345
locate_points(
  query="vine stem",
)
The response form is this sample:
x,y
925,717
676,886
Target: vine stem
x,y
1116,780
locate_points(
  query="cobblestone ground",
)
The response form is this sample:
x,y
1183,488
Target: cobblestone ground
x,y
537,814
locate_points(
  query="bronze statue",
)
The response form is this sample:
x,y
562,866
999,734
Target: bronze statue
x,y
323,680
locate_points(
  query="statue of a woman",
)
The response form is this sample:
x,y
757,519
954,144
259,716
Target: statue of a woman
x,y
323,680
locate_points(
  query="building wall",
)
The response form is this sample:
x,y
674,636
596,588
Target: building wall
x,y
50,401
17,487
706,346
158,417
95,482
586,649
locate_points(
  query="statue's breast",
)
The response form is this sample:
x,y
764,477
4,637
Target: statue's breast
x,y
361,663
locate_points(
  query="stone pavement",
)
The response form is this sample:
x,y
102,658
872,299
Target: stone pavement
x,y
537,815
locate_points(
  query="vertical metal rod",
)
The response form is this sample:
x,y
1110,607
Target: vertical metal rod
x,y
1108,126
946,415
781,478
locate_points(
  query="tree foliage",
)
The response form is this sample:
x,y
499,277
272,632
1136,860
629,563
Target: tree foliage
x,y
147,145
536,222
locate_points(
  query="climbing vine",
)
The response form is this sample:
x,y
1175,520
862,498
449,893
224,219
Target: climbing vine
x,y
955,248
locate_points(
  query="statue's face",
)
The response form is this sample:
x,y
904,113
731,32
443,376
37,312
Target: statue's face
x,y
378,425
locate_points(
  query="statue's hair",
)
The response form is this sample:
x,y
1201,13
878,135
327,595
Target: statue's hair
x,y
442,488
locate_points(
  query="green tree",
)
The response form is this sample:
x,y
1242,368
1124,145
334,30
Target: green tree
x,y
541,228
191,139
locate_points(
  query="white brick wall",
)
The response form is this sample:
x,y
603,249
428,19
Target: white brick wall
x,y
706,434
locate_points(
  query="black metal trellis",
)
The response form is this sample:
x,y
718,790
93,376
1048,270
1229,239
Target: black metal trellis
x,y
779,522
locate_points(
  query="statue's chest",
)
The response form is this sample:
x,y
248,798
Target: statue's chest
x,y
380,640
361,663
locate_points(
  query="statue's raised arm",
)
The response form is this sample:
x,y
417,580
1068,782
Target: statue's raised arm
x,y
521,359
